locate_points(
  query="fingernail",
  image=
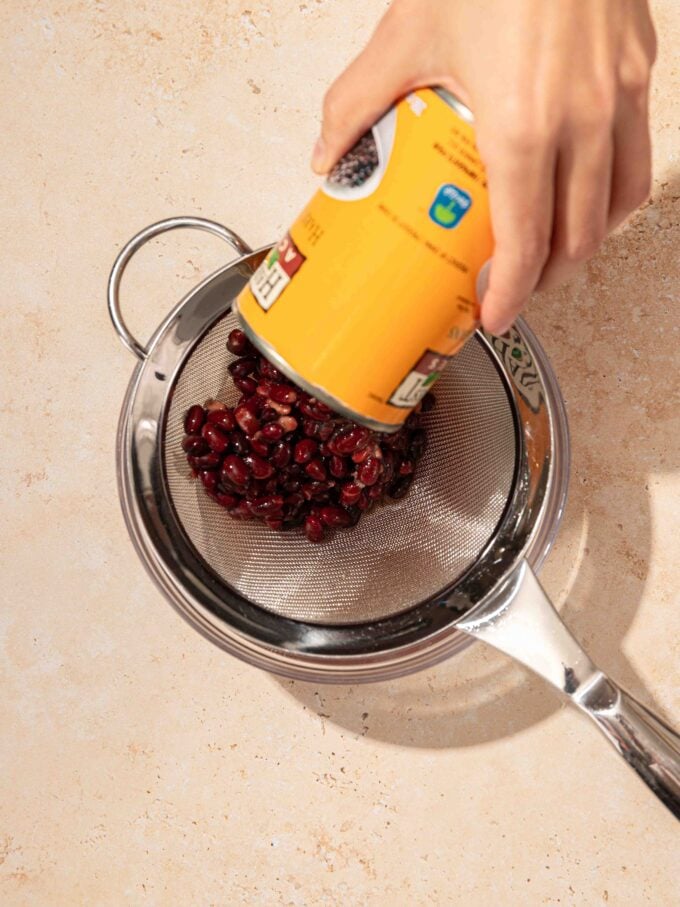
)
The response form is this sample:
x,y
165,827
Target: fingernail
x,y
319,156
498,328
495,324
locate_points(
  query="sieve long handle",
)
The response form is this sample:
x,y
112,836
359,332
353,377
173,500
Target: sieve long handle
x,y
521,621
137,241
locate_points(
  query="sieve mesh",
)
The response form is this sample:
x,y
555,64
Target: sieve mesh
x,y
398,555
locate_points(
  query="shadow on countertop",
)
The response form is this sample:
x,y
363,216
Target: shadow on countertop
x,y
616,366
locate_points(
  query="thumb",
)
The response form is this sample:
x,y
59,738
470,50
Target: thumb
x,y
358,98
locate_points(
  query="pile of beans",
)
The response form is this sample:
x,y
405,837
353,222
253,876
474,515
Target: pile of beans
x,y
355,167
282,457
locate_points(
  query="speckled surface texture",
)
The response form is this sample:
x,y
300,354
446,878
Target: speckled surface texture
x,y
139,764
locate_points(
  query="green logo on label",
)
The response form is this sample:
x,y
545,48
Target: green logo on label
x,y
450,205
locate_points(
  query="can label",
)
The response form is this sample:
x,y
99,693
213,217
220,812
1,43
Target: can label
x,y
276,272
374,287
419,380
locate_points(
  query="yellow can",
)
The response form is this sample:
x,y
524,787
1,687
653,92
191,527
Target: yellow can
x,y
375,286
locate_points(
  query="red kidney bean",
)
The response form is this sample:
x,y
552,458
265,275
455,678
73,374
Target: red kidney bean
x,y
326,411
223,418
338,467
241,368
314,529
288,423
195,445
194,419
362,454
306,408
348,440
350,494
316,491
281,455
241,511
369,471
226,500
406,467
238,343
259,445
270,505
305,450
335,516
247,421
227,486
239,443
255,404
246,385
283,393
207,461
216,439
269,371
322,431
273,431
259,467
316,470
209,479
283,409
268,414
313,409
235,469
212,405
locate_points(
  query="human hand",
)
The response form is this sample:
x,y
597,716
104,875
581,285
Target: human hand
x,y
559,91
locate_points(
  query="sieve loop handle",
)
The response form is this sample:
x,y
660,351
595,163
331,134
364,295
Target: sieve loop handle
x,y
521,621
137,241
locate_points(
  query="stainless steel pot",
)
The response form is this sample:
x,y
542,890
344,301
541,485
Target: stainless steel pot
x,y
410,585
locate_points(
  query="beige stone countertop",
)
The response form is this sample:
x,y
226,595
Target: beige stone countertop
x,y
141,765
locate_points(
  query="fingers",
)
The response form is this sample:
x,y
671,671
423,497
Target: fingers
x,y
365,90
520,181
582,198
632,164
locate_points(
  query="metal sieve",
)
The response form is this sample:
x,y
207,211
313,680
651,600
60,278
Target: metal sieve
x,y
400,554
415,581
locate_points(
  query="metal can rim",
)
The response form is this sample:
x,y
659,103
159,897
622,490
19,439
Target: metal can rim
x,y
455,104
337,405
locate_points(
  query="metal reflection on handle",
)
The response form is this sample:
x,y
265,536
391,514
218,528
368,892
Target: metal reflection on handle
x,y
521,621
137,241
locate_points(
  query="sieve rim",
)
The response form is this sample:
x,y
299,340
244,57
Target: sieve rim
x,y
147,512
